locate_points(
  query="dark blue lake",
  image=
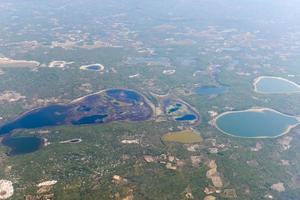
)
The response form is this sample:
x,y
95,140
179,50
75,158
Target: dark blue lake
x,y
90,120
97,108
22,145
93,67
188,117
48,116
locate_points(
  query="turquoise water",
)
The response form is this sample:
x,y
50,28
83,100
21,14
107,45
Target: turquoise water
x,y
275,85
267,123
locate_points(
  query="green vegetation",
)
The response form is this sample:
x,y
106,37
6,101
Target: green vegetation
x,y
185,137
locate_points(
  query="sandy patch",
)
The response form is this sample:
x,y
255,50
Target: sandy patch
x,y
58,64
8,62
279,187
149,159
47,183
257,147
135,141
196,160
210,197
119,179
213,174
69,44
10,96
285,143
46,187
134,76
6,189
169,71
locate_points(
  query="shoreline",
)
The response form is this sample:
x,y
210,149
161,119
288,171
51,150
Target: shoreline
x,y
256,109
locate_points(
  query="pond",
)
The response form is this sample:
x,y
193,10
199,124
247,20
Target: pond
x,y
252,123
180,111
93,67
188,117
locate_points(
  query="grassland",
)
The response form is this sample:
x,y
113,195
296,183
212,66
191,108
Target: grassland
x,y
188,136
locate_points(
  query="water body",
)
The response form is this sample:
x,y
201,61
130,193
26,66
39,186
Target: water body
x,y
107,106
187,117
47,116
255,123
90,120
211,90
175,108
93,67
22,145
180,111
268,84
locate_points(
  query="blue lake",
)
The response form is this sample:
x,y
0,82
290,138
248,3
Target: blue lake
x,y
104,107
251,123
22,145
47,116
188,117
93,67
275,85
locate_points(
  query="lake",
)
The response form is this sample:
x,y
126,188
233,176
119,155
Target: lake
x,y
261,122
273,85
103,107
22,145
